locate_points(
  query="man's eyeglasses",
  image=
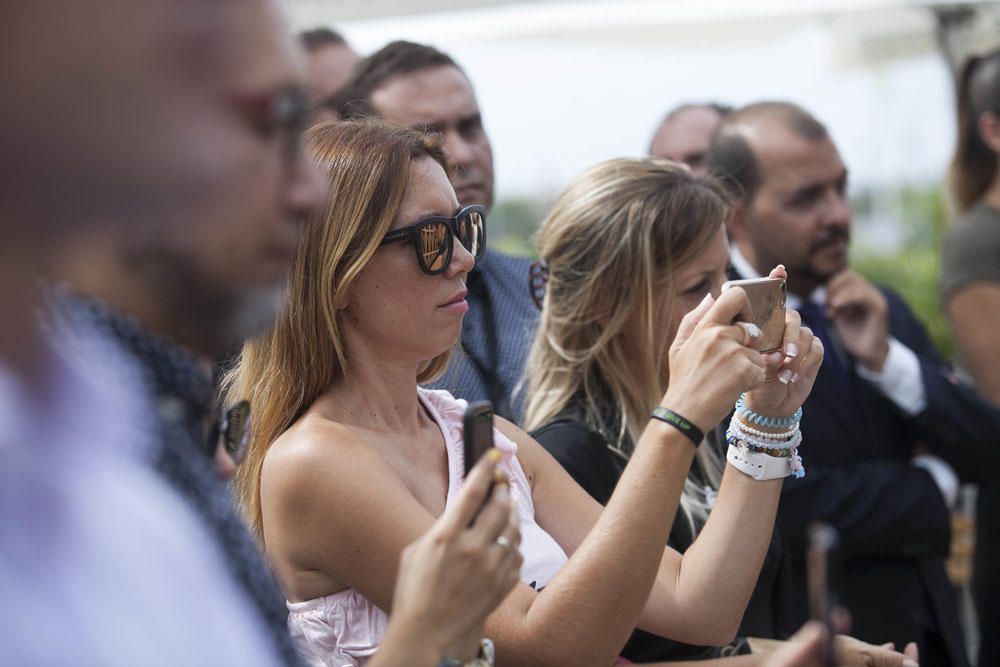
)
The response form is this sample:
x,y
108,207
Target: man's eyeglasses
x,y
434,237
286,112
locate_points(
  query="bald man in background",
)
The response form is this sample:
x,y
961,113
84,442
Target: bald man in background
x,y
331,61
686,132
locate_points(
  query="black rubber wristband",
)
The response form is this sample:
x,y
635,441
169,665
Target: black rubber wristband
x,y
683,425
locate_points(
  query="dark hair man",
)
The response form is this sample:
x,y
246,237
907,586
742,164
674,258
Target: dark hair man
x,y
885,409
686,132
419,86
331,61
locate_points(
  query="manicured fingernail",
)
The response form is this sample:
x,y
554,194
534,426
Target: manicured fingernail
x,y
754,330
499,476
708,297
791,350
785,376
494,454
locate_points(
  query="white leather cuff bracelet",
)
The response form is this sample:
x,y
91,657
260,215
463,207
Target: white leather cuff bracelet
x,y
760,467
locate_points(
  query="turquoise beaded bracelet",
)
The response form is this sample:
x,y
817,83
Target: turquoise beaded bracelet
x,y
761,420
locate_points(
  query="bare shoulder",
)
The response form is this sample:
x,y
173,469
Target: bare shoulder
x,y
335,512
314,458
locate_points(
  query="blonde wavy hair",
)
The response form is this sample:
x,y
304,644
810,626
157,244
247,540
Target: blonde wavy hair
x,y
284,370
612,244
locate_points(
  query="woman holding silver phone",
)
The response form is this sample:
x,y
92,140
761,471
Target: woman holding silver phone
x,y
630,250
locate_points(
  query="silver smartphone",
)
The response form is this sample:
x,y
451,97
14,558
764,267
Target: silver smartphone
x,y
767,306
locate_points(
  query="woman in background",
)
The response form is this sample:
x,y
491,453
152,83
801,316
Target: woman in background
x,y
970,295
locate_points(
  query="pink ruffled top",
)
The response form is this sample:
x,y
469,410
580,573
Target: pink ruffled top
x,y
344,629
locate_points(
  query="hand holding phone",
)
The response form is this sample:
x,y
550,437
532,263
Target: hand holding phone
x,y
822,577
767,304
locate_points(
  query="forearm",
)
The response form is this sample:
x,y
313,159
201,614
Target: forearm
x,y
407,643
719,571
586,613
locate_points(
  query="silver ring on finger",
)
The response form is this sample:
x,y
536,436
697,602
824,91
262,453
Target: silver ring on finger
x,y
504,542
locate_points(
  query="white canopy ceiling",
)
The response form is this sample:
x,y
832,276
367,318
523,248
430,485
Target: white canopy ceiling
x,y
865,30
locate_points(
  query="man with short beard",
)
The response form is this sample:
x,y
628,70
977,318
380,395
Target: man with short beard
x,y
886,411
177,296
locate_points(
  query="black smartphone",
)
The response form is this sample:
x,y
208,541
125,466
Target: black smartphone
x,y
822,581
477,427
477,433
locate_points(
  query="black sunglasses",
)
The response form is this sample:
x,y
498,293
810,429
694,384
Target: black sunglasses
x,y
434,237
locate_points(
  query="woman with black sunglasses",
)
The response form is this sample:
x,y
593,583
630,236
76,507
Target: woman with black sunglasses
x,y
350,459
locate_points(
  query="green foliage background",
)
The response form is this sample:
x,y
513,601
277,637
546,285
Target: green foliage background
x,y
914,270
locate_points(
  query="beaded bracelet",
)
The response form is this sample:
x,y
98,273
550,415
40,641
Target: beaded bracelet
x,y
763,442
743,432
732,437
780,452
761,420
792,442
735,422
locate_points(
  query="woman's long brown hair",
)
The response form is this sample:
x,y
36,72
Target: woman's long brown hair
x,y
284,370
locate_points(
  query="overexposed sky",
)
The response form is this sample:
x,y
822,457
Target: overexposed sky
x,y
564,85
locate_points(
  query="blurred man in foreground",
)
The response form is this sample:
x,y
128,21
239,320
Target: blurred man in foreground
x,y
100,560
175,297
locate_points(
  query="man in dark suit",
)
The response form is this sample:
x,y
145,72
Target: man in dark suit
x,y
418,86
888,425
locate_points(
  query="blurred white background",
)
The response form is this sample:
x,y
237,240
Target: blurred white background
x,y
564,85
